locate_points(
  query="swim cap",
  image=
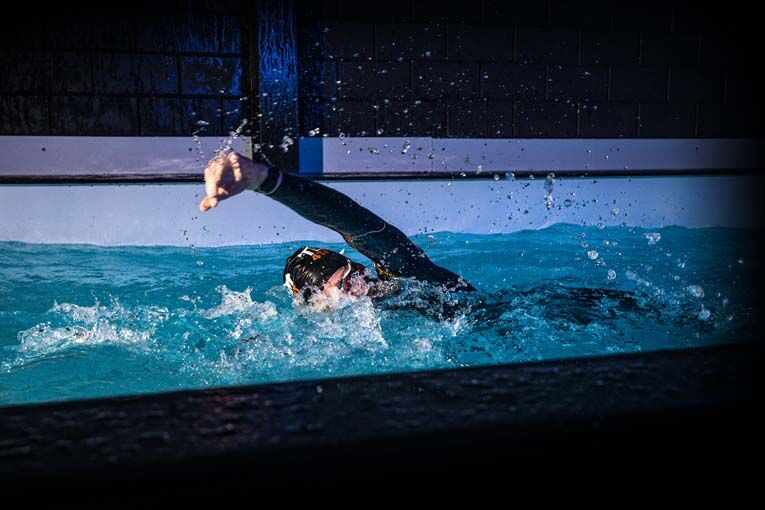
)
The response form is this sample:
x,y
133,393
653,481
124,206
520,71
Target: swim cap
x,y
310,268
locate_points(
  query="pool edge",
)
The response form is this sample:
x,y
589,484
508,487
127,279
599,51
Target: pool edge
x,y
343,423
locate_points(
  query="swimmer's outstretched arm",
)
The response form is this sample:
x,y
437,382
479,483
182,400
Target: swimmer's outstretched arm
x,y
389,248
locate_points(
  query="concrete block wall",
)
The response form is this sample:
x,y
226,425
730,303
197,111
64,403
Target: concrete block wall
x,y
538,68
148,69
462,69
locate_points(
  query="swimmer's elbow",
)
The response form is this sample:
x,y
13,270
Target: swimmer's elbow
x,y
450,280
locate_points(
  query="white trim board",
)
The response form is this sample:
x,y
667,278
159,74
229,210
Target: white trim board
x,y
407,155
75,155
88,155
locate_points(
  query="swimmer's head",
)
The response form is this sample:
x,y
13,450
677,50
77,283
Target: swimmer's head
x,y
310,270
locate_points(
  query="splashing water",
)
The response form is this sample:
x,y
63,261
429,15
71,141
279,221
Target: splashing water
x,y
695,291
286,143
198,144
83,321
549,185
653,237
224,147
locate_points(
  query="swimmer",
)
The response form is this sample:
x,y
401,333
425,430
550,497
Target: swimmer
x,y
312,270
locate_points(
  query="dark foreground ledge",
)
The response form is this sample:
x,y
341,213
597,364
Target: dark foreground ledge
x,y
672,406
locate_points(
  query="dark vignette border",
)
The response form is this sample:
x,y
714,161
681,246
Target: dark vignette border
x,y
682,407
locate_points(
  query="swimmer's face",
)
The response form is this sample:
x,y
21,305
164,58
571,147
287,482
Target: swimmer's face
x,y
313,274
337,291
355,284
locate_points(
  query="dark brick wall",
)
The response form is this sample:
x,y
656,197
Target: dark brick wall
x,y
538,68
149,69
479,68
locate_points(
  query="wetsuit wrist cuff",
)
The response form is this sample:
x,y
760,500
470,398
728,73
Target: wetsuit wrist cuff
x,y
272,182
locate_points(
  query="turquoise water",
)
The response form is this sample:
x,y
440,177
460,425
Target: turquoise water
x,y
81,321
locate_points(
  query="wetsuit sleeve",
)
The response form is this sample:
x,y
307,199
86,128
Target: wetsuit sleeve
x,y
393,254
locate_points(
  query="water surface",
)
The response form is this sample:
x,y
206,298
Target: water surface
x,y
80,321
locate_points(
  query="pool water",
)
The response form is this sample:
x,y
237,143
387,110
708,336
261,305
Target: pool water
x,y
81,321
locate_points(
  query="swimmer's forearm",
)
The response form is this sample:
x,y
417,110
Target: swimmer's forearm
x,y
320,204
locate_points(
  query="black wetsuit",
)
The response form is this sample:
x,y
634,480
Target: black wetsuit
x,y
394,255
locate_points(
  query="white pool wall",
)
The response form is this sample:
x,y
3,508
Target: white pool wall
x,y
167,214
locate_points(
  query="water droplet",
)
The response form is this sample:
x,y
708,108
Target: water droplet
x,y
549,185
550,182
611,274
653,237
695,291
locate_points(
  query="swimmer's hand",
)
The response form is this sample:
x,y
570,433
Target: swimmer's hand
x,y
229,175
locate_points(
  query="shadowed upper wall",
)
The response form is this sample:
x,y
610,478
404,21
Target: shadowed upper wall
x,y
538,68
480,68
147,69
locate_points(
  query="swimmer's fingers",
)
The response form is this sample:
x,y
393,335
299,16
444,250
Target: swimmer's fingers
x,y
207,203
212,185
